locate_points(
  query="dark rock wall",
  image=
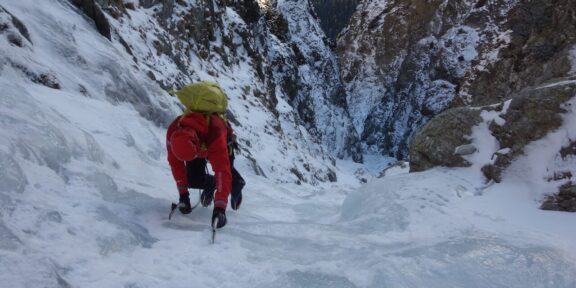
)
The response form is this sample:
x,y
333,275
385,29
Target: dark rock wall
x,y
541,34
334,14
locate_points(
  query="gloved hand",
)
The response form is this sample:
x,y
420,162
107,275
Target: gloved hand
x,y
220,215
184,204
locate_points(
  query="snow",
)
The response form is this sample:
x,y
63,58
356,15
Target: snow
x,y
541,157
559,83
363,97
85,192
436,229
486,143
466,38
572,57
428,229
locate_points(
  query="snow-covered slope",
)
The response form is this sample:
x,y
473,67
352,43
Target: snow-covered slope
x,y
83,121
439,229
149,50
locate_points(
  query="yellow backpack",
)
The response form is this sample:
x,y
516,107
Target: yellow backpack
x,y
205,96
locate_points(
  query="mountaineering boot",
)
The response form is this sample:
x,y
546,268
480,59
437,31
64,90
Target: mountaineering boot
x,y
236,200
219,215
208,192
236,195
184,204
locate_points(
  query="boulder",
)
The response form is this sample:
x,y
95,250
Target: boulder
x,y
436,142
564,200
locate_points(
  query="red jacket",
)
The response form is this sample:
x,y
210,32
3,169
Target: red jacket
x,y
214,137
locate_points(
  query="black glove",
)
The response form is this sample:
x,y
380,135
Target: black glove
x,y
184,204
219,214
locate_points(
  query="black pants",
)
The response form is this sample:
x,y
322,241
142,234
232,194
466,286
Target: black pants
x,y
199,178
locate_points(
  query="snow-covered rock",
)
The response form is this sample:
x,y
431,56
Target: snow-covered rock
x,y
307,72
503,133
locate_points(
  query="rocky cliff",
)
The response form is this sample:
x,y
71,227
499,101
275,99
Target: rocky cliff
x,y
334,14
409,60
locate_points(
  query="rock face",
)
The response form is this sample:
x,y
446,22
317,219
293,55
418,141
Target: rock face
x,y
306,70
541,34
435,144
405,61
564,200
334,14
93,11
531,115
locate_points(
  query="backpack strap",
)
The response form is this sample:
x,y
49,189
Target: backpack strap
x,y
230,139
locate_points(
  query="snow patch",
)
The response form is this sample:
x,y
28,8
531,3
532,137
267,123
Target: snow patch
x,y
482,138
572,57
541,156
560,83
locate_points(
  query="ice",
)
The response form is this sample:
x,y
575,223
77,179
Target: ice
x,y
474,261
95,153
32,271
572,57
296,278
8,241
12,178
385,218
392,203
127,237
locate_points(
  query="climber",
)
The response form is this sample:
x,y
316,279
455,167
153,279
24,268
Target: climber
x,y
200,136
